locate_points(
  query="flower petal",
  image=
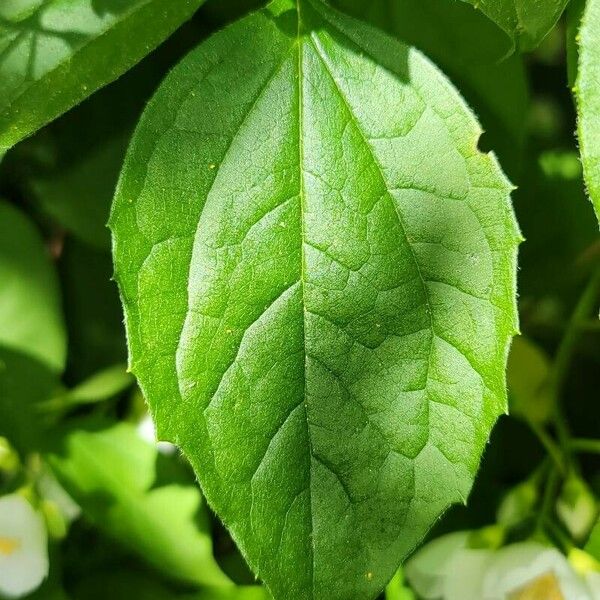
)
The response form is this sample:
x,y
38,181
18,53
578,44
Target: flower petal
x,y
426,570
518,565
24,560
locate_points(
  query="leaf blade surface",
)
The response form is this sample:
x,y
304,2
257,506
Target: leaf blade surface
x,y
290,260
588,100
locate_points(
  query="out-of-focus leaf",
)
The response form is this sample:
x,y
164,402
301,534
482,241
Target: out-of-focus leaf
x,y
219,13
30,313
78,196
24,382
126,585
110,473
247,592
123,585
557,222
467,48
526,22
92,309
577,507
527,374
587,95
53,54
100,386
593,544
396,588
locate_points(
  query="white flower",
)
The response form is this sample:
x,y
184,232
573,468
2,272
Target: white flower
x,y
23,547
593,582
447,569
147,432
428,569
532,568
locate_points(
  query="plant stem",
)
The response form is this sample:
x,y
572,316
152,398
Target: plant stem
x,y
553,449
590,446
565,352
548,498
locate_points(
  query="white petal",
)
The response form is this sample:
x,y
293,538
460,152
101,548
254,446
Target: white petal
x,y
593,582
426,570
51,489
518,565
465,574
24,556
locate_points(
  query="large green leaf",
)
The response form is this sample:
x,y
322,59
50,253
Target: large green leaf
x,y
30,313
111,474
587,94
53,53
525,21
317,267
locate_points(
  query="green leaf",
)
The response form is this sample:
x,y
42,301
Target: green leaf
x,y
587,96
469,53
93,313
30,314
125,585
397,590
24,382
111,474
550,261
593,544
317,267
525,22
77,197
528,376
574,13
54,54
99,387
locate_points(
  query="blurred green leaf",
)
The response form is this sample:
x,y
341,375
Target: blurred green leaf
x,y
577,507
125,585
525,22
593,544
111,474
248,592
54,54
24,382
97,388
527,376
396,588
30,313
78,195
557,222
93,311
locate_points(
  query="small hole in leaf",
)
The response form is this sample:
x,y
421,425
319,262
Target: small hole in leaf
x,y
483,143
